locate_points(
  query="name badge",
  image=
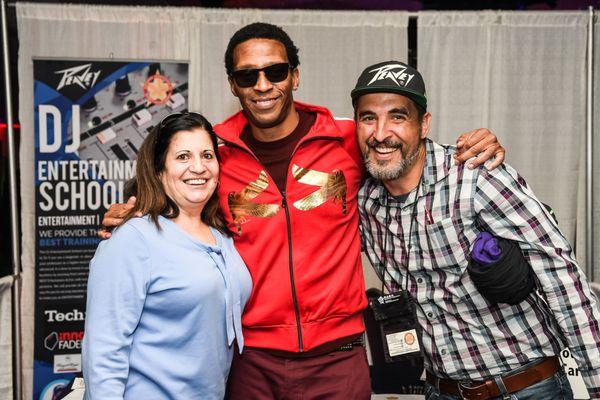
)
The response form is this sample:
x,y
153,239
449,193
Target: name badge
x,y
402,342
400,331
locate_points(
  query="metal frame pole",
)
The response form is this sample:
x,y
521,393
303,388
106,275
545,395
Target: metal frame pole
x,y
14,219
590,150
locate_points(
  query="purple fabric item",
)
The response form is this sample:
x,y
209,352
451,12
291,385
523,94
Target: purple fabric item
x,y
486,250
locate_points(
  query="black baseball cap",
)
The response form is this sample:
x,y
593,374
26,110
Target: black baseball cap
x,y
391,77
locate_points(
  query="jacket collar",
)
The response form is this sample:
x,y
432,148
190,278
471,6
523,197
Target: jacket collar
x,y
324,126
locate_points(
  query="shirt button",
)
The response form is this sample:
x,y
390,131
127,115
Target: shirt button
x,y
420,280
430,314
443,352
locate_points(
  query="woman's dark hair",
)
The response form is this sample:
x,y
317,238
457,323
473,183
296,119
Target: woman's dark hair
x,y
261,30
151,196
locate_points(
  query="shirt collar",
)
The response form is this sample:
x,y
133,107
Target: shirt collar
x,y
438,161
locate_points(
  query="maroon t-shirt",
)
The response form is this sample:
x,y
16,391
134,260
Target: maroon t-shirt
x,y
275,156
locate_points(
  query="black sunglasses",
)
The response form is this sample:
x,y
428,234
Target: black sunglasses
x,y
248,77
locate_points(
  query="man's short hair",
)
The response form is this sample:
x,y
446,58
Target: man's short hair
x,y
261,30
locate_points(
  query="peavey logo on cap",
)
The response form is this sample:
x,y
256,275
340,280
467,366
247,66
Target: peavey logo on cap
x,y
80,75
395,72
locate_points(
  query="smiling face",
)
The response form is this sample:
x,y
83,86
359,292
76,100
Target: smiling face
x,y
267,104
390,134
191,170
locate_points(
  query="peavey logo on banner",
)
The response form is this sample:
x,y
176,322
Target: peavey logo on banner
x,y
57,316
395,72
79,75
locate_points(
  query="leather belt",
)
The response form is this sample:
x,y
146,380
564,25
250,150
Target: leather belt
x,y
342,344
513,382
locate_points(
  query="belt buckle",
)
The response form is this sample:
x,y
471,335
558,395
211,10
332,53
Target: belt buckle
x,y
462,385
466,385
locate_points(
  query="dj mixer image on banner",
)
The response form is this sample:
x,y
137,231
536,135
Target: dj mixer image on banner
x,y
91,118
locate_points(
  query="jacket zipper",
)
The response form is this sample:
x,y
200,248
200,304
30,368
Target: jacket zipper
x,y
289,235
291,264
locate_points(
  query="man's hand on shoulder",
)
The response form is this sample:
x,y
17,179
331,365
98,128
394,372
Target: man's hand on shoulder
x,y
114,217
481,144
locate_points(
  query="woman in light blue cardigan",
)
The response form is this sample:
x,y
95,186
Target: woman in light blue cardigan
x,y
166,291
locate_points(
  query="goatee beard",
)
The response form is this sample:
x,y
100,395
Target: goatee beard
x,y
382,170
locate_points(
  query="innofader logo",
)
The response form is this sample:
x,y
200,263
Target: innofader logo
x,y
81,76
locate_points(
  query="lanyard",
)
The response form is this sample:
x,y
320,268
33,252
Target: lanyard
x,y
405,247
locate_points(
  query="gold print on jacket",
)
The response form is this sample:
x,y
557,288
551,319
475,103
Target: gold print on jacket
x,y
331,185
241,207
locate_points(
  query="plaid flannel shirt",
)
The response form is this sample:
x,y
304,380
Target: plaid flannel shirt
x,y
464,336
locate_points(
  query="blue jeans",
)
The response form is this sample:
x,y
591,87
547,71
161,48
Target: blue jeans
x,y
556,387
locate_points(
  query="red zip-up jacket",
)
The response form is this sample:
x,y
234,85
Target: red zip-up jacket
x,y
302,246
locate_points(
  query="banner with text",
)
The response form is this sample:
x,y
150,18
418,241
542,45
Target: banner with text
x,y
91,118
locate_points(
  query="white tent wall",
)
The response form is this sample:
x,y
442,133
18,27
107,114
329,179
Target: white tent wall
x,y
596,157
334,47
521,74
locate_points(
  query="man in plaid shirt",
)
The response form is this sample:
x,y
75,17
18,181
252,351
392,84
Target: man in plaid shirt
x,y
420,214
